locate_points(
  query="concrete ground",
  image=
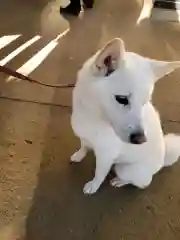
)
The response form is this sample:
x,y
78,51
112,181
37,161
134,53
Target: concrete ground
x,y
40,192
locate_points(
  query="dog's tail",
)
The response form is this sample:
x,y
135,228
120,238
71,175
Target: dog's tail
x,y
172,144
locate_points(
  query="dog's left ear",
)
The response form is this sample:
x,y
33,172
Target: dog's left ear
x,y
108,58
161,68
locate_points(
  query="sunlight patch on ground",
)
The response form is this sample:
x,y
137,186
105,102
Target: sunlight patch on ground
x,y
5,40
19,50
39,57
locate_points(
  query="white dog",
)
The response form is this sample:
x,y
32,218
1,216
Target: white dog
x,y
113,116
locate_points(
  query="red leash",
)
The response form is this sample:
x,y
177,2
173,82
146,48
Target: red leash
x,y
15,74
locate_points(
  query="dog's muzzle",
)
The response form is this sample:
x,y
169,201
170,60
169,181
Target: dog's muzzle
x,y
137,138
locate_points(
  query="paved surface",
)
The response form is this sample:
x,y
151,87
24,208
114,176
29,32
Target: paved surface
x,y
40,192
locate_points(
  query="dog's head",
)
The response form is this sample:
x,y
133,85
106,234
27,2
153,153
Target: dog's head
x,y
125,82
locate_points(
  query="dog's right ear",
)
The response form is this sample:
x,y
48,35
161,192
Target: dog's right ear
x,y
109,57
162,68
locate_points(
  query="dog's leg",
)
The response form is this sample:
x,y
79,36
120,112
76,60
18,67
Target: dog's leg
x,y
102,169
80,154
137,175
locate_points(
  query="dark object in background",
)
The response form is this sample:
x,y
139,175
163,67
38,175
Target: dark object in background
x,y
166,10
74,7
167,4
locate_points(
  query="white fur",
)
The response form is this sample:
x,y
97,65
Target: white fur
x,y
104,125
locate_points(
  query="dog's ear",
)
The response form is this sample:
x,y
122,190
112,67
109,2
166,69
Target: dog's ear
x,y
109,57
161,68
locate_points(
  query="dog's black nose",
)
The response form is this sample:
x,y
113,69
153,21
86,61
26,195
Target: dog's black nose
x,y
137,138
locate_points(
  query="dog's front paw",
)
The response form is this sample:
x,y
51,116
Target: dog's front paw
x,y
78,156
90,187
75,158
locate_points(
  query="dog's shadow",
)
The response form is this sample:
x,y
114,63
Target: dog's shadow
x,y
60,210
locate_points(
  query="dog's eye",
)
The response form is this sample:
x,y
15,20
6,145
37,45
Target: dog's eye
x,y
122,100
